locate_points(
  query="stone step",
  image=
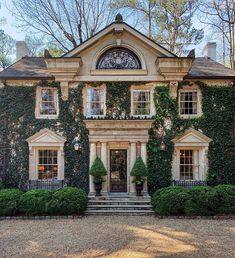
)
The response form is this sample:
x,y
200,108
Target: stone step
x,y
118,201
119,207
119,212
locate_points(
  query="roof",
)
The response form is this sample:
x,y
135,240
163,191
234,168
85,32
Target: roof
x,y
28,68
34,68
119,26
207,68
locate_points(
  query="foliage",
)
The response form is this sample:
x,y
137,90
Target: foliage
x,y
139,170
225,198
170,200
98,170
7,46
200,201
67,24
217,123
9,201
67,201
35,202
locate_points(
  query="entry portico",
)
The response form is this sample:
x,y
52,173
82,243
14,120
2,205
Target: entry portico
x,y
106,136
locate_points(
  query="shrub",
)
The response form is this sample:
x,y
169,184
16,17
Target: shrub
x,y
35,202
139,170
9,201
225,195
98,170
169,200
67,201
201,201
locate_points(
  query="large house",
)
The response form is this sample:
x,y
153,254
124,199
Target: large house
x,y
106,98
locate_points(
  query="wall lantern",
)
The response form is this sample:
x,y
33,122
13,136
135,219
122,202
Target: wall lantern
x,y
162,146
77,144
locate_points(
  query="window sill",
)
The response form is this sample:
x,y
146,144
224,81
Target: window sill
x,y
119,72
47,117
190,116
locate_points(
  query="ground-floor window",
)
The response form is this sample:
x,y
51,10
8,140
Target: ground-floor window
x,y
47,164
188,164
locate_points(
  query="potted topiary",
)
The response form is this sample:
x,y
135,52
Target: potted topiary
x,y
139,171
98,170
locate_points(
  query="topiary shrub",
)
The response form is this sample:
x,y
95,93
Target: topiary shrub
x,y
139,171
67,201
98,170
225,196
169,200
201,201
9,201
35,202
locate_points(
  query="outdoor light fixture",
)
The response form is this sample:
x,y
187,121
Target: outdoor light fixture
x,y
77,144
162,146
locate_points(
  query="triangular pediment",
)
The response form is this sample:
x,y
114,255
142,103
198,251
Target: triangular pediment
x,y
46,136
192,136
116,27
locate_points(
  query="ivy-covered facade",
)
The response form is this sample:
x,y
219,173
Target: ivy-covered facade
x,y
118,96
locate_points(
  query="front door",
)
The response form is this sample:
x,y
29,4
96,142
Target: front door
x,y
118,170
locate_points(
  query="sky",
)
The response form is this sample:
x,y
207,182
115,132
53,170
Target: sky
x,y
10,28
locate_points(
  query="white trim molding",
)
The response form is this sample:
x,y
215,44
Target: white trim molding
x,y
198,143
45,139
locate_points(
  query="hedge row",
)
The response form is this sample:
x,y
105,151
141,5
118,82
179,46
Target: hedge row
x,y
198,200
66,201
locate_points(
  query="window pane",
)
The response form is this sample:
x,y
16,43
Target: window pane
x,y
141,102
188,103
186,165
95,102
47,164
48,103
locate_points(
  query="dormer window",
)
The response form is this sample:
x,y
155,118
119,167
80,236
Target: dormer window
x,y
118,58
95,102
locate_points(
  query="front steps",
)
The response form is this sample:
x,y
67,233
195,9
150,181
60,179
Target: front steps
x,y
119,205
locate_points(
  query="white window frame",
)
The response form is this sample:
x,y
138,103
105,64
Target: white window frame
x,y
38,156
199,110
39,100
142,88
85,102
195,164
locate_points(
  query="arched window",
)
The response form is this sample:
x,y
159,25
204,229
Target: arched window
x,y
118,58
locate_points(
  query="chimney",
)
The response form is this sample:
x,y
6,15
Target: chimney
x,y
210,50
21,50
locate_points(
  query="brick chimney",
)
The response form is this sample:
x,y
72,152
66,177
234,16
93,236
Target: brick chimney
x,y
21,50
210,50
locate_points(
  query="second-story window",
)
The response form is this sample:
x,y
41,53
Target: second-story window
x,y
188,102
141,102
47,103
95,102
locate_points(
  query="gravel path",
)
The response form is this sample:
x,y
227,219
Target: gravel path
x,y
117,236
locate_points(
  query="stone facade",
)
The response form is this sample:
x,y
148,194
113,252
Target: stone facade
x,y
158,67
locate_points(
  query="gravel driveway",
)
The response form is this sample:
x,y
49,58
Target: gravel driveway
x,y
117,236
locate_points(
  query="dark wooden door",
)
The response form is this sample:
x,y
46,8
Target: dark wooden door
x,y
118,170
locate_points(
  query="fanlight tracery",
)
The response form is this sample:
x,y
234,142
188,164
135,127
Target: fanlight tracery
x,y
118,58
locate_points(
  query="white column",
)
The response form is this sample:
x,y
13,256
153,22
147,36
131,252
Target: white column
x,y
92,158
61,163
132,161
144,157
143,152
104,160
